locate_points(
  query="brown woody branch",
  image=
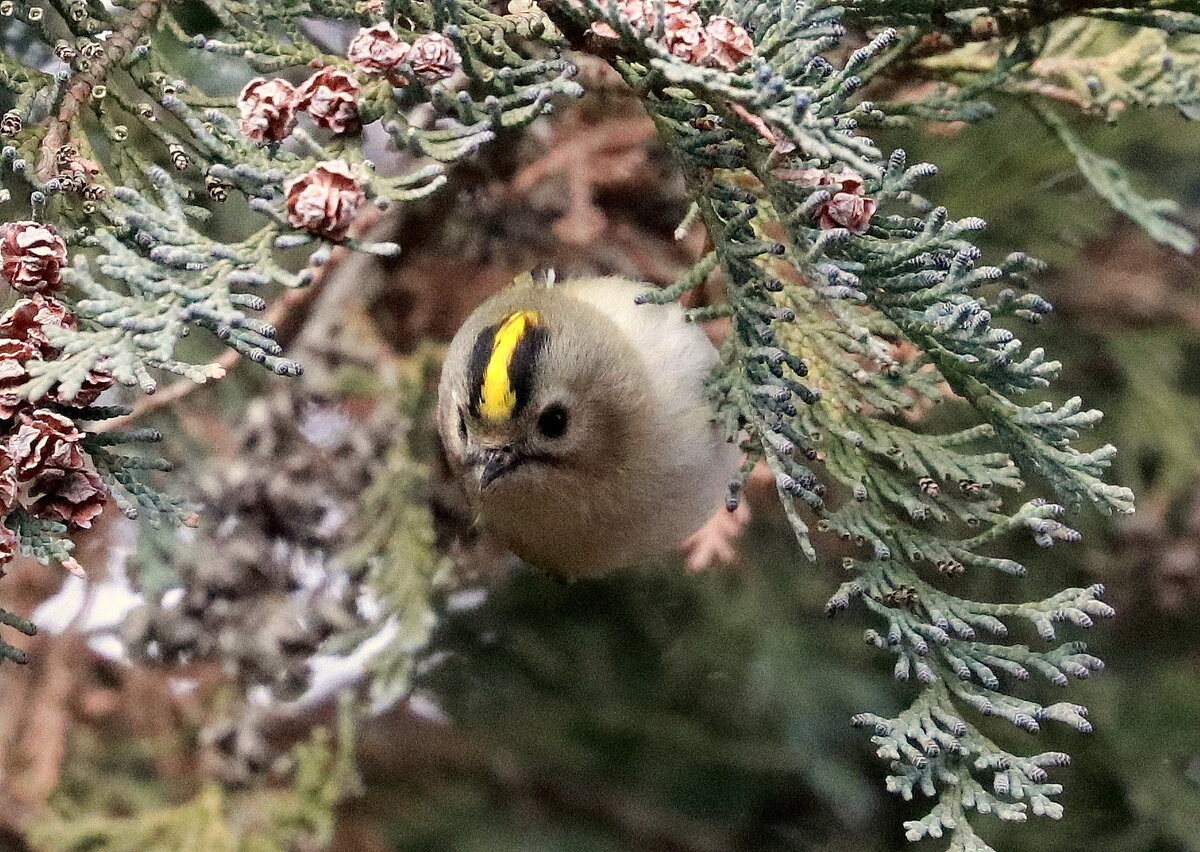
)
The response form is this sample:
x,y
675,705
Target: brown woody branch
x,y
79,88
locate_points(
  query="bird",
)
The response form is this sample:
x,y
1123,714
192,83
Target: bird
x,y
578,422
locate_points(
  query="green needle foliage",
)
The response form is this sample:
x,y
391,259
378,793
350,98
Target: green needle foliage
x,y
854,302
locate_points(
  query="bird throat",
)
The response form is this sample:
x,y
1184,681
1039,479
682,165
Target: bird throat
x,y
502,365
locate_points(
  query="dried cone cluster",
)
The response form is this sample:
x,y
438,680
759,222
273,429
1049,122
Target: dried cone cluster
x,y
720,42
332,96
848,205
76,173
44,468
325,200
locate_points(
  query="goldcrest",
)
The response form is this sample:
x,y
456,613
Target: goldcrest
x,y
578,422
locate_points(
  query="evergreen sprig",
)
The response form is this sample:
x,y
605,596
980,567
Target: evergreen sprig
x,y
108,140
836,331
854,302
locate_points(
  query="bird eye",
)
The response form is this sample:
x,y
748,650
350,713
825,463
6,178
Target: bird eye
x,y
553,421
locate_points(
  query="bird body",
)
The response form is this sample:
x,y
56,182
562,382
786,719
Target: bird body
x,y
579,423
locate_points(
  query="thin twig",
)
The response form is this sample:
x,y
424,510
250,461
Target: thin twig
x,y
80,87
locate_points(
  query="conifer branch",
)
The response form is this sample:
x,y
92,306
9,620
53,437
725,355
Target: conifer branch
x,y
854,303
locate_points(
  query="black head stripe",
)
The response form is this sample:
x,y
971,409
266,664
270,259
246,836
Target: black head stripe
x,y
523,369
481,353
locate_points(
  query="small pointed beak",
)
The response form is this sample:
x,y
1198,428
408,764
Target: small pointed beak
x,y
494,463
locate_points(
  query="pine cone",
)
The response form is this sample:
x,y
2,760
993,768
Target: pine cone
x,y
849,207
45,439
331,97
75,496
377,50
643,14
268,109
11,124
97,382
730,43
8,482
434,57
847,210
28,319
686,38
13,356
9,546
32,256
325,200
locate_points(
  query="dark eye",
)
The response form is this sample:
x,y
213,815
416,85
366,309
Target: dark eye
x,y
553,421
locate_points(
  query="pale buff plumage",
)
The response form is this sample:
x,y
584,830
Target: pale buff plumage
x,y
641,464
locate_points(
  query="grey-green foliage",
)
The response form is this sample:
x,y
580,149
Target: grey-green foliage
x,y
837,341
1113,184
1104,62
159,270
129,158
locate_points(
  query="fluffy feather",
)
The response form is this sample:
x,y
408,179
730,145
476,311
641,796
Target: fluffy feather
x,y
639,466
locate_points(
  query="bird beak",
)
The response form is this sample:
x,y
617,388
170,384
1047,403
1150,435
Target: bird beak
x,y
494,463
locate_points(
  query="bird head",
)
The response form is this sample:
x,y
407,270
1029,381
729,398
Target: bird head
x,y
539,397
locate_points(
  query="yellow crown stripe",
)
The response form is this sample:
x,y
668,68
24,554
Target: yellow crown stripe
x,y
497,398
